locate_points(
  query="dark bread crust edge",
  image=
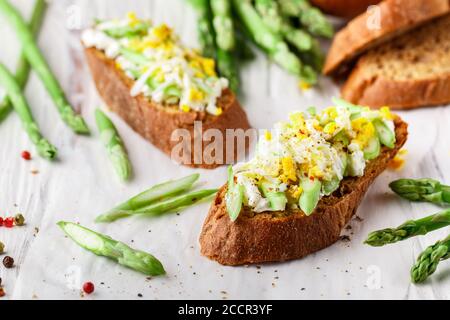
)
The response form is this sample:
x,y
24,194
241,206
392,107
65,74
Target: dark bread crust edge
x,y
397,17
378,91
270,237
155,122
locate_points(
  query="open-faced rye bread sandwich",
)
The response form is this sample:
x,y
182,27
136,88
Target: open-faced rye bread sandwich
x,y
303,185
166,92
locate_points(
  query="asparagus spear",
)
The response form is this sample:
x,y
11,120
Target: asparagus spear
x,y
37,61
160,207
409,229
429,259
271,42
421,190
311,17
15,95
268,10
23,67
223,24
227,68
205,27
155,193
114,145
103,245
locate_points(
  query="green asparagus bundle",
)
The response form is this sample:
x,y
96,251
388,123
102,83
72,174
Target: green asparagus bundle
x,y
103,245
284,30
114,145
15,95
23,67
429,259
409,229
159,199
421,190
37,61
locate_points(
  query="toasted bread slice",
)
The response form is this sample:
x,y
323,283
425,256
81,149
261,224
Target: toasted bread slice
x,y
279,236
156,122
410,72
365,32
344,8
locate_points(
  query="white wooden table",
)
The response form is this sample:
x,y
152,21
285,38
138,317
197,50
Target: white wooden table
x,y
82,184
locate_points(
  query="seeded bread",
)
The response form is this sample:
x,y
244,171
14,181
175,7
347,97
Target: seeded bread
x,y
363,33
155,122
410,72
280,236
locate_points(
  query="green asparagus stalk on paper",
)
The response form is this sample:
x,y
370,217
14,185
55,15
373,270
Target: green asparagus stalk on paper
x,y
114,145
223,24
149,196
205,27
409,229
429,259
15,95
310,17
23,67
37,61
428,190
103,245
163,206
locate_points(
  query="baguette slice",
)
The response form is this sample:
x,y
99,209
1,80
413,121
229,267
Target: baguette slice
x,y
156,122
410,72
280,236
344,8
396,17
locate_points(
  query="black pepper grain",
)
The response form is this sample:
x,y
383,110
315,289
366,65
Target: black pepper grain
x,y
8,262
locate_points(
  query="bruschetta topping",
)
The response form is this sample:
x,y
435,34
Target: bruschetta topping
x,y
162,68
307,157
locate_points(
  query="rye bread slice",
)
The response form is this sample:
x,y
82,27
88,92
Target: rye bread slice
x,y
396,18
280,236
156,122
411,71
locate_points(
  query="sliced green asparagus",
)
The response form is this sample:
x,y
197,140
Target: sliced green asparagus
x,y
15,95
23,67
428,190
160,207
223,24
103,245
234,197
429,259
409,229
155,193
205,27
114,145
310,195
37,61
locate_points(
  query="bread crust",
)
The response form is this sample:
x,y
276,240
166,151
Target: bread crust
x,y
344,8
378,91
271,237
397,17
155,122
